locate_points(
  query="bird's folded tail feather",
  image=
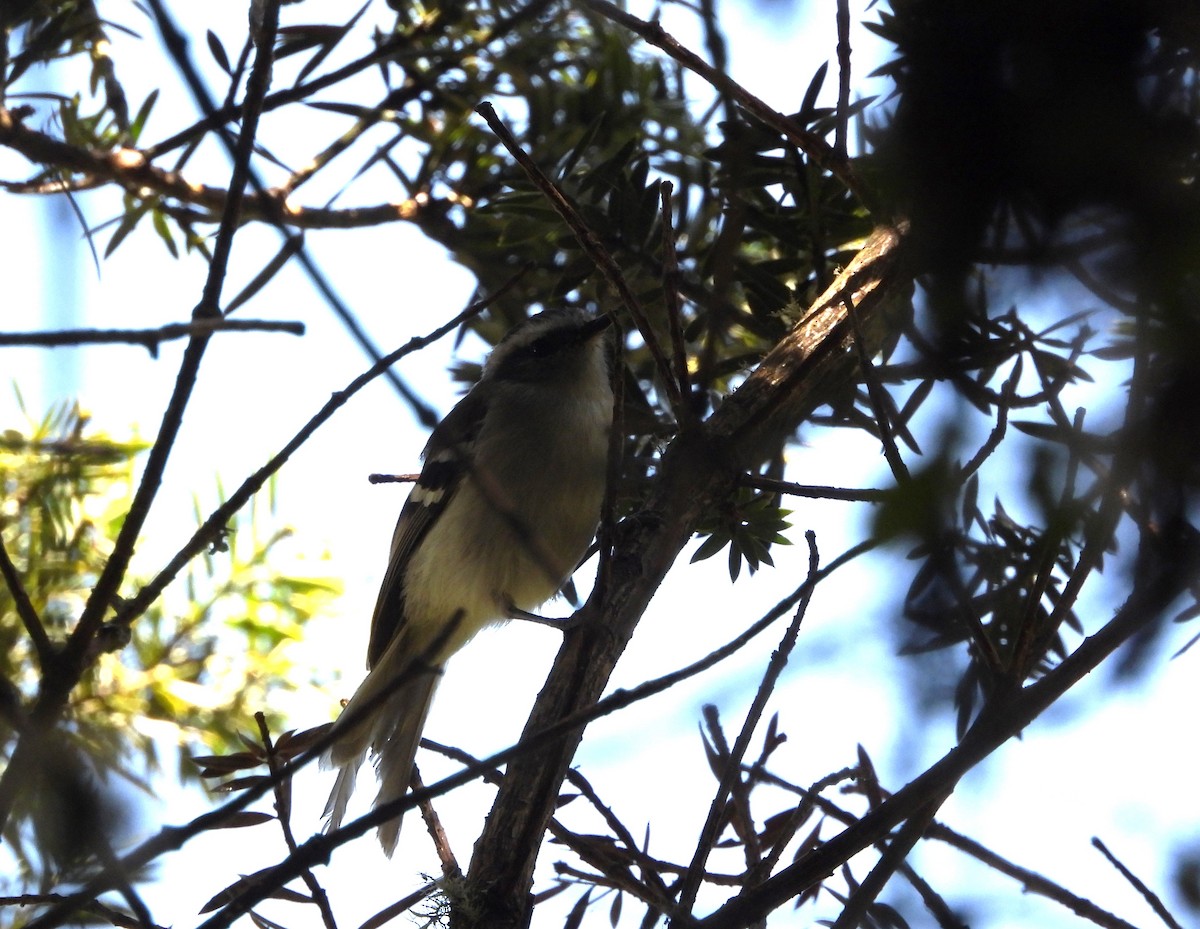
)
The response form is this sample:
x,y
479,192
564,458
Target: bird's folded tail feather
x,y
392,732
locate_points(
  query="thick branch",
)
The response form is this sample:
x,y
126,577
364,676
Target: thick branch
x,y
701,466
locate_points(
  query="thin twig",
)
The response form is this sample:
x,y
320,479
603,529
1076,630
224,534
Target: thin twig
x,y
815,491
799,815
411,478
934,902
599,255
433,824
732,772
735,804
670,279
42,646
388,913
276,211
880,402
1000,720
863,898
283,811
318,848
656,895
1031,881
843,57
173,838
1148,895
820,151
93,907
714,41
120,879
292,246
148,338
649,871
1007,393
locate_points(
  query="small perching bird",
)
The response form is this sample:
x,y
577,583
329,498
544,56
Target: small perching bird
x,y
504,508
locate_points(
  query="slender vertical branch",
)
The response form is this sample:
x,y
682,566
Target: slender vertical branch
x,y
283,810
56,686
670,277
42,645
1148,895
591,245
843,57
733,767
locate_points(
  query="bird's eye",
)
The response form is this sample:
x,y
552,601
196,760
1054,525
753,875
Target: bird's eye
x,y
549,344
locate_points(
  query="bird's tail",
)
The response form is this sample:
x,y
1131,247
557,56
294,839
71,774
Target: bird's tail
x,y
391,731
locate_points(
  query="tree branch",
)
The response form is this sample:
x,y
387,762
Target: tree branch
x,y
821,152
148,338
699,467
709,833
57,684
42,646
1000,720
599,255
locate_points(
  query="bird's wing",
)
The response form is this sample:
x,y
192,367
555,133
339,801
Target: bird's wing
x,y
444,469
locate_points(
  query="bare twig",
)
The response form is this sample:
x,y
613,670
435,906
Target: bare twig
x,y
42,645
131,169
934,902
394,478
1002,718
93,907
1031,881
660,894
714,42
291,247
120,880
820,151
861,900
733,769
147,338
815,491
388,913
1007,393
283,810
1148,895
880,403
843,56
433,824
654,893
599,255
318,848
173,838
670,278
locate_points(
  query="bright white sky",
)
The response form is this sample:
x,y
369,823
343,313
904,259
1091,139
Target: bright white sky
x,y
1123,772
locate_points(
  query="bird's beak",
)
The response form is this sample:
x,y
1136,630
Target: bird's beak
x,y
594,327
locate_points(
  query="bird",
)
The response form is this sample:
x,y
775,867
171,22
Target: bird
x,y
506,504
